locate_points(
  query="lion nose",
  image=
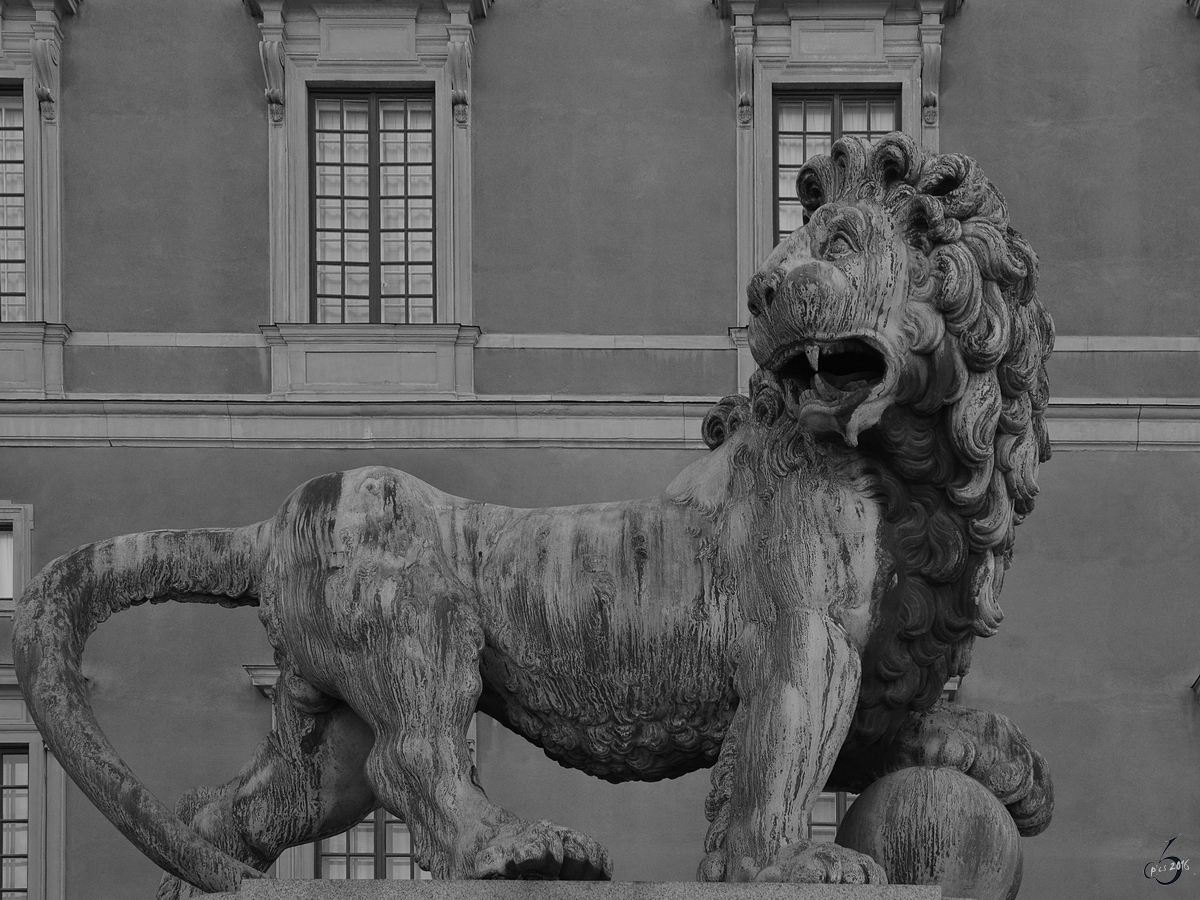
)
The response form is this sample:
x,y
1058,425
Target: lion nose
x,y
760,293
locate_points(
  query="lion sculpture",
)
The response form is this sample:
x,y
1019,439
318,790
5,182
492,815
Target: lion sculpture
x,y
787,612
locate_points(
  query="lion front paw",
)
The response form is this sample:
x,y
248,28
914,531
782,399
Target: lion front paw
x,y
807,862
542,850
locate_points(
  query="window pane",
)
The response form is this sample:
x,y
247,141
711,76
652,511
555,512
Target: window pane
x,y
883,117
420,214
817,146
420,280
15,841
358,311
356,149
399,869
824,811
329,246
420,181
397,839
395,311
15,771
329,281
819,116
421,310
392,214
362,869
329,310
357,181
791,151
358,247
15,873
362,837
356,114
420,115
6,568
392,246
393,280
329,115
358,282
391,147
333,868
420,148
15,804
420,248
854,116
391,181
791,115
358,215
391,115
329,148
823,834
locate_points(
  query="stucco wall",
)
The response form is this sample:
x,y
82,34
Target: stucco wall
x,y
603,166
164,161
1083,112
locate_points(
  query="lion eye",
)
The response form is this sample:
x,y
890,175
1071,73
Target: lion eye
x,y
838,246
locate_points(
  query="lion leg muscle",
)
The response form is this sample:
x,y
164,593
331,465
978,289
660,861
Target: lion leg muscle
x,y
419,693
304,782
797,681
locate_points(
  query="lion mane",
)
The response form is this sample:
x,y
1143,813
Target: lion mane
x,y
954,459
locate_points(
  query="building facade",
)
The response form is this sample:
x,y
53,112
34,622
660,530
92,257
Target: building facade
x,y
503,246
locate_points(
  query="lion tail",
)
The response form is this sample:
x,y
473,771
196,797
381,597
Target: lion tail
x,y
57,613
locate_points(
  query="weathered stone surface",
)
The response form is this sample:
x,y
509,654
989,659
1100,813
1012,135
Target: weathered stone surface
x,y
565,890
786,611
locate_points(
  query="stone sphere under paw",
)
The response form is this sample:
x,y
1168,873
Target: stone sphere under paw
x,y
929,825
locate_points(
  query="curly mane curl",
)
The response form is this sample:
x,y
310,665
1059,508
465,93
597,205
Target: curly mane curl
x,y
954,460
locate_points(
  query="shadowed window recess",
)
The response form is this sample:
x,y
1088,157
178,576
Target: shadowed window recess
x,y
14,823
378,848
13,291
372,177
806,125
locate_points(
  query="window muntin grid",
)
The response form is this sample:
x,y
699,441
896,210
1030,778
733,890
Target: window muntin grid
x,y
12,208
827,814
14,823
807,124
377,848
372,208
7,540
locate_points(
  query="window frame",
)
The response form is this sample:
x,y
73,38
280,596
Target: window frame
x,y
18,517
380,818
373,93
47,793
835,93
16,91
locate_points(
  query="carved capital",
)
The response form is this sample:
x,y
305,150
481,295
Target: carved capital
x,y
459,62
271,53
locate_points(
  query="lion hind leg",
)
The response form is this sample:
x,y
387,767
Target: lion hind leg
x,y
419,694
305,781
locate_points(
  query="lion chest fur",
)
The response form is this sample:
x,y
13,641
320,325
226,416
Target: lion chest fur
x,y
609,630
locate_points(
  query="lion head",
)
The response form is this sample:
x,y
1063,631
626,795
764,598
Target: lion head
x,y
902,319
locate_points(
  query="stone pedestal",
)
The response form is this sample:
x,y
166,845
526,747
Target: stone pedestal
x,y
567,890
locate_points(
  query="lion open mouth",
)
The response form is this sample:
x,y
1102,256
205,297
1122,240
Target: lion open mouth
x,y
841,373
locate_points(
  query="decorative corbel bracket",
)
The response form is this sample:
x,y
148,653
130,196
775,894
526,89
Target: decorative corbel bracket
x,y
743,72
459,61
271,53
931,72
45,74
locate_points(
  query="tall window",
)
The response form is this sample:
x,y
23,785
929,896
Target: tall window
x,y
827,814
377,848
807,124
14,823
372,207
12,207
7,586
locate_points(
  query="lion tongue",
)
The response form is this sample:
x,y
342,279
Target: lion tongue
x,y
825,390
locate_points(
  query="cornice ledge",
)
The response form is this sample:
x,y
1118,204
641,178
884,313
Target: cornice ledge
x,y
848,9
471,9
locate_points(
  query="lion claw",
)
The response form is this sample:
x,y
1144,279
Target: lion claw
x,y
542,851
807,862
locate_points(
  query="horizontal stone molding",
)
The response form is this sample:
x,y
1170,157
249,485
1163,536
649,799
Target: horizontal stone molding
x,y
1075,424
1068,343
